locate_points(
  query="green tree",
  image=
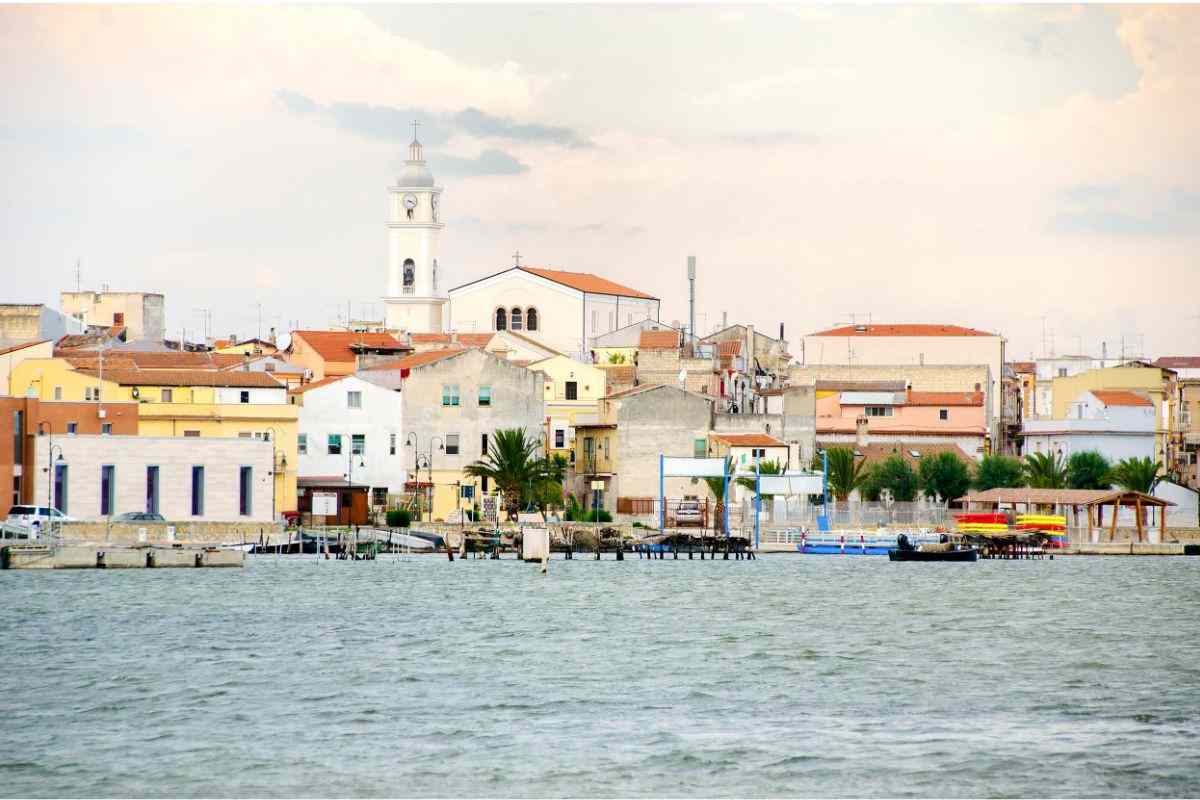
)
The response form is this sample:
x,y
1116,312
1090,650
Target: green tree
x,y
717,485
846,473
616,358
894,474
1045,471
1088,470
512,465
945,474
1137,474
999,472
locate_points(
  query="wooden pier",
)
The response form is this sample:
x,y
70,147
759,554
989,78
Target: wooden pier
x,y
35,556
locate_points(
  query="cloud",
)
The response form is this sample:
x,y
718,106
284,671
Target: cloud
x,y
391,123
1132,208
489,162
787,83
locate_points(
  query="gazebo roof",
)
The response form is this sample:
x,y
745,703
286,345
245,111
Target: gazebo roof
x,y
1065,497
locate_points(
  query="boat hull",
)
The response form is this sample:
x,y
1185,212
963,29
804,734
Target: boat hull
x,y
969,554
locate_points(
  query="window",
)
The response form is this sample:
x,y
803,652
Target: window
x,y
943,413
1062,373
192,434
106,429
358,444
501,319
244,397
167,395
483,444
391,444
451,444
514,319
560,438
58,393
485,395
758,452
60,487
18,437
151,490
410,270
197,491
379,496
879,411
118,318
699,448
531,319
334,445
353,399
91,394
483,484
302,444
449,394
468,492
16,497
245,489
72,427
572,390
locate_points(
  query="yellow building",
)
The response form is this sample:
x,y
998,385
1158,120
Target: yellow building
x,y
182,403
572,397
246,347
1156,382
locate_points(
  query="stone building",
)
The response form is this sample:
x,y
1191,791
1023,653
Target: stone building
x,y
142,314
21,323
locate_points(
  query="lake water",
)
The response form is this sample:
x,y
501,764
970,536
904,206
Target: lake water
x,y
788,675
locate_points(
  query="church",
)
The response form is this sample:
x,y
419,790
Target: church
x,y
562,310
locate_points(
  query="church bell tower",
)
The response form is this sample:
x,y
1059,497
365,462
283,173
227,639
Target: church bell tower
x,y
416,295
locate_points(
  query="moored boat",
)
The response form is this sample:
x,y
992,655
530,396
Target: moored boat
x,y
965,554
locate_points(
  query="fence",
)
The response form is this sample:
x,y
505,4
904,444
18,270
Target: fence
x,y
791,512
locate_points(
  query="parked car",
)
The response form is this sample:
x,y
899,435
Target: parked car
x,y
139,516
25,516
690,511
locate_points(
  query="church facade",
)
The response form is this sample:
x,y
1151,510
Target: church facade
x,y
562,310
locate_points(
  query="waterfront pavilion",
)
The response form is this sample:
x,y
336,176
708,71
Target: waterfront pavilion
x,y
1091,501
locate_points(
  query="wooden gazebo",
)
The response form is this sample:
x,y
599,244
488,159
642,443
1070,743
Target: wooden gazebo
x,y
1092,501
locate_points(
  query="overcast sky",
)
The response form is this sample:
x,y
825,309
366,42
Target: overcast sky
x,y
993,167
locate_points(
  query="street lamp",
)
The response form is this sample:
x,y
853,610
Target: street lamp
x,y
441,446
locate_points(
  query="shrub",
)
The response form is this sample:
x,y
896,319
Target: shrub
x,y
999,472
945,475
399,518
1088,469
893,474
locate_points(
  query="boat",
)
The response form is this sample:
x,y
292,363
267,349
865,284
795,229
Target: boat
x,y
965,554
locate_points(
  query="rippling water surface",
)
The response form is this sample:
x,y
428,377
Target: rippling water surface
x,y
782,676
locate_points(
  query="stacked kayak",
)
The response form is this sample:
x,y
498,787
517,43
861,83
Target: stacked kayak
x,y
982,523
1053,525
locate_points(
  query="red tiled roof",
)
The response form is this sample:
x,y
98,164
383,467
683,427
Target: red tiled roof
x,y
1112,397
730,347
1178,362
1023,366
586,282
304,387
902,330
337,346
188,377
880,451
658,340
465,339
418,359
944,399
749,440
135,359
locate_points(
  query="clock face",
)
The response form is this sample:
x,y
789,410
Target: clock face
x,y
410,201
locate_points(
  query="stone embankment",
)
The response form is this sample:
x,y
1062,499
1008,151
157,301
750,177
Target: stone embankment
x,y
34,556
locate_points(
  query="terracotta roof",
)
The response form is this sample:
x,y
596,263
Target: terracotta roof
x,y
749,440
781,390
1076,497
219,343
1178,362
465,339
188,377
16,347
658,340
902,330
880,451
729,348
418,359
1023,366
944,399
585,282
304,387
861,386
1112,397
337,346
150,360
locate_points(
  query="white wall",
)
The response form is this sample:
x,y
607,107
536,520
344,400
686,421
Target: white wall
x,y
326,411
258,397
175,457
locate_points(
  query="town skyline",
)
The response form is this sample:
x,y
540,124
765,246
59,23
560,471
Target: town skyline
x,y
1050,178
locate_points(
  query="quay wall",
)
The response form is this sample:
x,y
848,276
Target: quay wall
x,y
207,533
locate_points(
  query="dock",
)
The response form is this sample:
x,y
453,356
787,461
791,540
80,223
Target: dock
x,y
36,556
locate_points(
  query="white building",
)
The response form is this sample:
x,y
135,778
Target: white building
x,y
1117,424
350,428
185,479
414,300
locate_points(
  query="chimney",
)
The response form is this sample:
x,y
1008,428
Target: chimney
x,y
749,349
233,338
781,331
724,320
1104,354
860,432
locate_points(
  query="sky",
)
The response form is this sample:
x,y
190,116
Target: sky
x,y
1031,170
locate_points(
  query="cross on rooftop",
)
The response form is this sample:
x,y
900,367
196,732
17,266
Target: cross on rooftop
x,y
517,258
415,125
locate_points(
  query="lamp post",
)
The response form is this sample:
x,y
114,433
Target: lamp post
x,y
274,473
412,441
441,446
350,477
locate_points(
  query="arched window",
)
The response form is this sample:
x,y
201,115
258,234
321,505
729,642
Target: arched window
x,y
501,319
531,319
410,272
514,317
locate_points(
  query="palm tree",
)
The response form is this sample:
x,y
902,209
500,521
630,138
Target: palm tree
x,y
716,486
512,465
1088,469
1137,474
846,473
1045,471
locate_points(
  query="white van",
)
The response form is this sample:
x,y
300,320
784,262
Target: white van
x,y
25,516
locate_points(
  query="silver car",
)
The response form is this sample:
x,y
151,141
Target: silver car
x,y
26,516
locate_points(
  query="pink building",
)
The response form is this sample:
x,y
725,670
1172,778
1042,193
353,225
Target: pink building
x,y
905,417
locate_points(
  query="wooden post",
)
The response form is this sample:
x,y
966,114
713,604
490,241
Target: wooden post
x,y
1112,534
1162,524
1089,510
1137,506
